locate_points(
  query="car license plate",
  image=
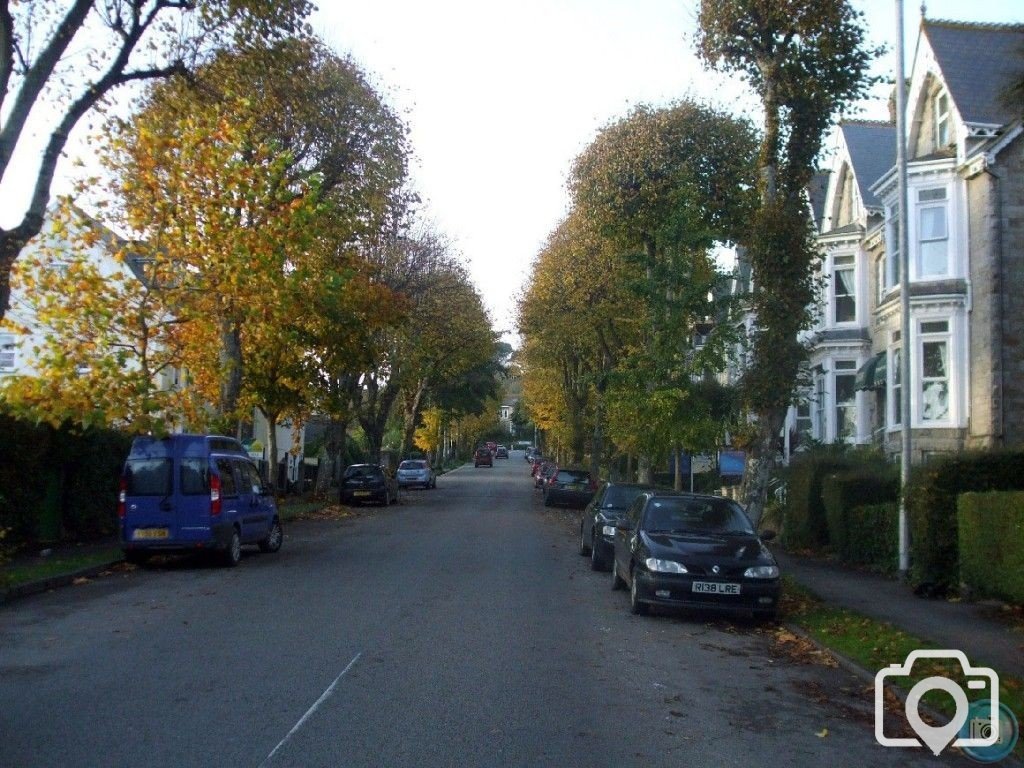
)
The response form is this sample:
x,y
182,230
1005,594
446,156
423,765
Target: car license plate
x,y
151,533
715,588
360,493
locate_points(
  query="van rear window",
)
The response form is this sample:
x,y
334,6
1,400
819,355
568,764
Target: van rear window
x,y
148,477
195,477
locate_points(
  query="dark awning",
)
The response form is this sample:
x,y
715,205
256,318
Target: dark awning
x,y
871,375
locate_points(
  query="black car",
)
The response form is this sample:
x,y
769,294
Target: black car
x,y
692,551
368,482
573,487
597,528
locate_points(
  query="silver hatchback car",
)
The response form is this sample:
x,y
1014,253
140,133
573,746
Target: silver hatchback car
x,y
416,472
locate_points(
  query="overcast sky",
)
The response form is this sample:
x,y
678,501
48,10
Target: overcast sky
x,y
500,97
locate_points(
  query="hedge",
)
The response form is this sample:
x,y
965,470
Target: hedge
x,y
931,509
806,525
58,483
842,493
991,540
873,535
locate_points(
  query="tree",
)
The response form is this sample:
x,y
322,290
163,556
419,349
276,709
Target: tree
x,y
806,59
664,186
59,60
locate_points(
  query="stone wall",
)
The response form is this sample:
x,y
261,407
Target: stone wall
x,y
1011,162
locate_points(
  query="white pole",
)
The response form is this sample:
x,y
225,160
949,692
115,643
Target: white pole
x,y
904,247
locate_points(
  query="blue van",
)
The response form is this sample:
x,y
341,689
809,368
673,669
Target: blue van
x,y
194,493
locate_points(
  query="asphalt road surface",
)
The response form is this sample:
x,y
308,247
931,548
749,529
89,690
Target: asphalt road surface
x,y
459,628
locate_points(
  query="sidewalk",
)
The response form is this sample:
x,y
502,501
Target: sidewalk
x,y
969,627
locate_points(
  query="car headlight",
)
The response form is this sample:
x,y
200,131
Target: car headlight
x,y
608,530
762,572
664,566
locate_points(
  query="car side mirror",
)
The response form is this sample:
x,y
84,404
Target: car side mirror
x,y
768,535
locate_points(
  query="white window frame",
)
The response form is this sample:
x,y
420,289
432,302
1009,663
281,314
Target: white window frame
x,y
8,352
943,122
894,384
892,249
931,205
928,334
818,411
845,262
841,369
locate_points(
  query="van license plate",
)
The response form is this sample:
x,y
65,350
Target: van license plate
x,y
715,588
151,533
360,493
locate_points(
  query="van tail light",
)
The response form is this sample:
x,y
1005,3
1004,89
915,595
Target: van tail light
x,y
214,495
122,499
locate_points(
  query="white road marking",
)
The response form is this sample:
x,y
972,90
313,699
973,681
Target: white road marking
x,y
326,695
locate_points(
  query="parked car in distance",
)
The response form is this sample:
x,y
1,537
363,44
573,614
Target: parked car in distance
x,y
368,482
416,472
569,487
492,446
194,493
694,551
501,452
483,457
597,528
544,471
530,452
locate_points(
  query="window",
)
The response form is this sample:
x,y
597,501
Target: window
x,y
8,349
897,373
148,477
846,399
892,247
880,279
819,406
935,371
195,476
228,487
932,232
942,138
804,422
843,290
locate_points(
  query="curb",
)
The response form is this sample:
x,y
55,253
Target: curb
x,y
53,582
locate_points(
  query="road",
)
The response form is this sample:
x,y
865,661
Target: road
x,y
459,628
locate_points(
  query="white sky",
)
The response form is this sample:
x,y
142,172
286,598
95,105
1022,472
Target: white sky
x,y
500,97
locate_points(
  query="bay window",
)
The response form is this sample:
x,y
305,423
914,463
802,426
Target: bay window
x,y
844,292
846,399
932,234
934,352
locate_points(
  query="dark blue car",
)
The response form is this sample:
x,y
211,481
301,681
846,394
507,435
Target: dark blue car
x,y
194,493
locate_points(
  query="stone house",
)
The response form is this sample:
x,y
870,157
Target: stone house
x,y
965,221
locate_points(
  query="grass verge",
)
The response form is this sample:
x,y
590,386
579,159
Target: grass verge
x,y
57,565
874,644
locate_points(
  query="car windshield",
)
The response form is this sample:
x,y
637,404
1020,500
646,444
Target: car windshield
x,y
363,471
413,465
569,476
696,515
620,496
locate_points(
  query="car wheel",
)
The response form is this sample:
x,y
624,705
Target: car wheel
x,y
584,549
636,607
232,555
273,540
136,557
597,562
617,581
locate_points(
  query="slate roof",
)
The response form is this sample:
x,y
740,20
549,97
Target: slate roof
x,y
872,148
977,63
816,193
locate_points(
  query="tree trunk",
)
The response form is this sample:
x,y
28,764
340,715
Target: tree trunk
x,y
677,482
231,368
643,469
413,402
760,465
271,448
333,447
